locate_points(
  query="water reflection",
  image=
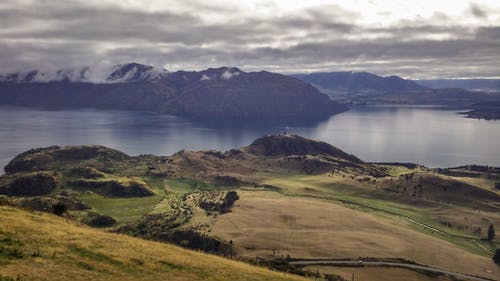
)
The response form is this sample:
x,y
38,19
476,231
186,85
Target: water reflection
x,y
430,136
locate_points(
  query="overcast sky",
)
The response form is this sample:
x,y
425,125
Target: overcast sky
x,y
414,39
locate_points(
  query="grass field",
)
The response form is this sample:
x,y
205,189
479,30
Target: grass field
x,y
122,209
272,225
39,246
369,198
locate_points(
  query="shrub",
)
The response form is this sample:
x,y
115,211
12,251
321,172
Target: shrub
x,y
496,257
491,232
97,220
59,209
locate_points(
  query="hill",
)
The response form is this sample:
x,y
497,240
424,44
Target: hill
x,y
352,83
38,246
449,97
479,96
286,144
489,110
484,85
312,201
215,92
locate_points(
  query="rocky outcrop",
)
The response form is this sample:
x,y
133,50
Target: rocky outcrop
x,y
30,185
213,202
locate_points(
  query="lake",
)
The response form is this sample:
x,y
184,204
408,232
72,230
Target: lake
x,y
430,136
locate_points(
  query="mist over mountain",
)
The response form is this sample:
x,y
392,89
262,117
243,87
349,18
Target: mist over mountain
x,y
130,72
224,92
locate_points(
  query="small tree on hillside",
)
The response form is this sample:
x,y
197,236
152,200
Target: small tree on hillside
x,y
59,208
496,257
491,232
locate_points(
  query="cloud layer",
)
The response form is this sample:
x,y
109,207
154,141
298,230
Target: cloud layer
x,y
385,38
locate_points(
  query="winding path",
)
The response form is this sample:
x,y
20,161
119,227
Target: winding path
x,y
388,264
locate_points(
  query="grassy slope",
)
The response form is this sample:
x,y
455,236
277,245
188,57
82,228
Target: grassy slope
x,y
72,252
367,198
340,188
312,228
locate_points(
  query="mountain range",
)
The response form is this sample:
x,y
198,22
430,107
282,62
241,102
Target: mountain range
x,y
350,83
479,96
215,92
232,92
485,85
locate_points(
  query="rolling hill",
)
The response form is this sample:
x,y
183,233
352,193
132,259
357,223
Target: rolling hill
x,y
282,197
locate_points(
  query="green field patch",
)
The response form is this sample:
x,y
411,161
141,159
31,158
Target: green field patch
x,y
190,185
122,209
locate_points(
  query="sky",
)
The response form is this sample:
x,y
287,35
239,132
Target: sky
x,y
413,39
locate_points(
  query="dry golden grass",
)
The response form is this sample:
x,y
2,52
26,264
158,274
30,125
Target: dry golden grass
x,y
269,224
377,274
459,219
487,184
72,252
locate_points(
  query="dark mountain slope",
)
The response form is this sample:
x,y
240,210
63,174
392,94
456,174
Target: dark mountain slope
x,y
224,92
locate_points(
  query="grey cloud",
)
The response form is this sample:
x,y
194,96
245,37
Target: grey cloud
x,y
68,33
331,18
404,58
488,33
477,11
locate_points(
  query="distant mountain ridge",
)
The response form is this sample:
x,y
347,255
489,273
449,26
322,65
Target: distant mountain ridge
x,y
215,92
485,85
481,96
349,82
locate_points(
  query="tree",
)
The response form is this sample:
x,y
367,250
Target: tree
x,y
231,248
496,257
59,208
491,232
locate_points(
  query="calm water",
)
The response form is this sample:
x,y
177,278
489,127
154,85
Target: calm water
x,y
430,136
